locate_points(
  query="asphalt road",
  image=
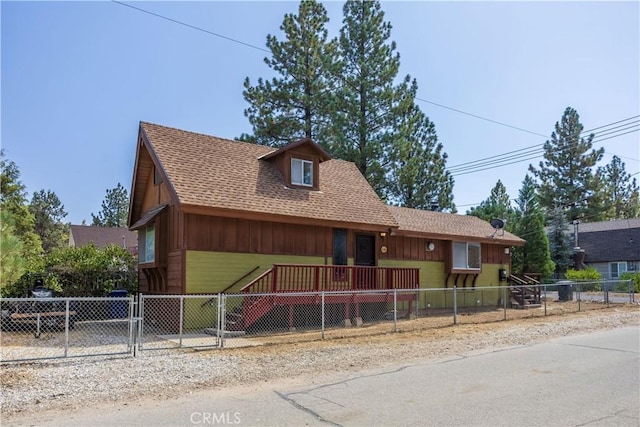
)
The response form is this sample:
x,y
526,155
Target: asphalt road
x,y
582,380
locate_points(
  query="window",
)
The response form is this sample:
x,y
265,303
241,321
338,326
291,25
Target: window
x,y
302,172
339,246
147,246
466,256
617,268
340,253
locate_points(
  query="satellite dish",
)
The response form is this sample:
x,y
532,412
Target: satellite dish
x,y
497,223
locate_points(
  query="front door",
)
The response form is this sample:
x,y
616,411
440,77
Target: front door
x,y
366,257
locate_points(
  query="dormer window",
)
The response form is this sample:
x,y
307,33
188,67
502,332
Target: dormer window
x,y
302,172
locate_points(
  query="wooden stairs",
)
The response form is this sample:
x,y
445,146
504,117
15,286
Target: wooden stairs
x,y
524,292
293,285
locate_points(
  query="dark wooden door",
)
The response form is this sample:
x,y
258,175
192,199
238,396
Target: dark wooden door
x,y
365,278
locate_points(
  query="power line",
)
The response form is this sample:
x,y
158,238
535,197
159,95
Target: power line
x,y
494,159
512,157
193,27
480,117
524,154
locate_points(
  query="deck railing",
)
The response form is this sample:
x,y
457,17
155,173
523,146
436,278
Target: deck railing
x,y
309,278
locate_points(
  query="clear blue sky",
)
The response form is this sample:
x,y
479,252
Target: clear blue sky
x,y
77,77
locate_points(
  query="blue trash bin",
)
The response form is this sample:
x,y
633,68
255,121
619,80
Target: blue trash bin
x,y
118,309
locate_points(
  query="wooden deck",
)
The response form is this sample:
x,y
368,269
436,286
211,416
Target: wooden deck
x,y
294,285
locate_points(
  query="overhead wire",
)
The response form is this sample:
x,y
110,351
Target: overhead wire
x,y
486,163
533,152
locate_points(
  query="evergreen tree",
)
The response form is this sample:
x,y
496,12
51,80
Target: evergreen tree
x,y
566,178
534,256
368,103
560,245
498,205
294,104
12,262
417,175
620,190
13,199
115,209
48,213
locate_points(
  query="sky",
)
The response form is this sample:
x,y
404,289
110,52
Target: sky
x,y
78,77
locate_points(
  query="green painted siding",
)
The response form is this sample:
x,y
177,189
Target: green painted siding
x,y
432,276
212,272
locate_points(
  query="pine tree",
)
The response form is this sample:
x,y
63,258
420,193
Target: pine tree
x,y
13,198
566,178
534,256
115,209
620,190
294,104
48,213
417,176
12,262
368,103
498,205
560,246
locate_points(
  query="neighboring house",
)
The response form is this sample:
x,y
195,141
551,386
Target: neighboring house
x,y
215,215
611,247
82,235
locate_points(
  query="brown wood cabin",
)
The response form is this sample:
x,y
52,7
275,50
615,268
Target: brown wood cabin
x,y
215,215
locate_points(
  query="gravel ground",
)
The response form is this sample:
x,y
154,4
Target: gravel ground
x,y
68,384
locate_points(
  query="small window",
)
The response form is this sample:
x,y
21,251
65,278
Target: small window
x,y
147,245
466,256
617,268
302,172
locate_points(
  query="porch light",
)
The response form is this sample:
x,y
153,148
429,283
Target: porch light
x,y
383,234
506,251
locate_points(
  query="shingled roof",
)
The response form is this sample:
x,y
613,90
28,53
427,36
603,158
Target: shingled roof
x,y
609,241
82,235
440,225
211,172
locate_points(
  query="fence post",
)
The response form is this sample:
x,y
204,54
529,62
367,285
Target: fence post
x,y
545,299
223,317
631,291
139,323
455,304
66,328
395,311
322,308
180,321
578,283
218,318
504,301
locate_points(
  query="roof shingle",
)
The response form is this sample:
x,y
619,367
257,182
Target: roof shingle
x,y
220,173
450,226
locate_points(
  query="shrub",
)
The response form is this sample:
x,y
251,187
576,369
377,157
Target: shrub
x,y
635,277
589,275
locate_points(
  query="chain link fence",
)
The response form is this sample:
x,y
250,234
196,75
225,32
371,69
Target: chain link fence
x,y
39,328
47,328
177,321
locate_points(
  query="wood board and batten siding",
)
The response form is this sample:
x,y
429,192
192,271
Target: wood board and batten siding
x,y
225,251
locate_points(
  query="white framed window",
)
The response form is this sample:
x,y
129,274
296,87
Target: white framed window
x,y
466,256
617,268
302,172
147,244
